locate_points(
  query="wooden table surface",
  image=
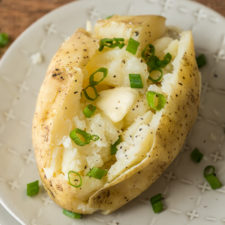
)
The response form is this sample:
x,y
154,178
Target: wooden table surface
x,y
17,15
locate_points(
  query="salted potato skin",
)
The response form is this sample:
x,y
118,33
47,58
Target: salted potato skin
x,y
59,101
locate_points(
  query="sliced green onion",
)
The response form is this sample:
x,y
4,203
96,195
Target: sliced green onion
x,y
113,148
166,60
196,155
74,179
81,137
111,43
156,75
89,110
148,51
97,173
155,100
90,92
4,39
153,63
156,202
92,80
108,17
201,60
135,81
210,176
33,188
132,46
119,42
72,214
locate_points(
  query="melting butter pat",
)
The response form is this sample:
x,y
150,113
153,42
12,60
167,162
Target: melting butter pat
x,y
115,103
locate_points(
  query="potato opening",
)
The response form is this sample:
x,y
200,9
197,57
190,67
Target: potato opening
x,y
122,113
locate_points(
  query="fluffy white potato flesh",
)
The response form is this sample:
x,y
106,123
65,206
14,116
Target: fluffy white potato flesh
x,y
116,102
121,111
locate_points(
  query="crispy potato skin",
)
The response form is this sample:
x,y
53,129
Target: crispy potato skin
x,y
62,87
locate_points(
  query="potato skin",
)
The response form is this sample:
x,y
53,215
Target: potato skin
x,y
64,78
60,92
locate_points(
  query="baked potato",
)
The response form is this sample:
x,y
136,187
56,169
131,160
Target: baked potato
x,y
114,110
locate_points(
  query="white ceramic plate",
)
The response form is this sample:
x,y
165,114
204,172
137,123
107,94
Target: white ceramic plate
x,y
188,198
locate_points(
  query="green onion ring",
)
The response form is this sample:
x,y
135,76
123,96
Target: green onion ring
x,y
151,95
101,70
210,176
87,137
145,53
95,92
70,173
157,79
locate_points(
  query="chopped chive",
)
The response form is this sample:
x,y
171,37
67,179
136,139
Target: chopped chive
x,y
155,100
4,39
109,17
148,51
132,46
210,176
72,214
33,188
154,64
89,110
75,179
91,96
92,80
156,75
135,81
166,60
119,42
111,43
156,202
81,137
97,173
201,60
196,155
113,148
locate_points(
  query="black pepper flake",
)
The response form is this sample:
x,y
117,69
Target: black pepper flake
x,y
215,75
75,92
54,74
114,76
123,61
136,33
140,129
85,50
180,84
75,81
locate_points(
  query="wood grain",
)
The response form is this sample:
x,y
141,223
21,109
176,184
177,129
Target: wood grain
x,y
17,15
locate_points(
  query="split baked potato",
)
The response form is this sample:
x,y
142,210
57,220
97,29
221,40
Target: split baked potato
x,y
114,110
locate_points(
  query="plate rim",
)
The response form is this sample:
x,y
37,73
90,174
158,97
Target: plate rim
x,y
49,14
